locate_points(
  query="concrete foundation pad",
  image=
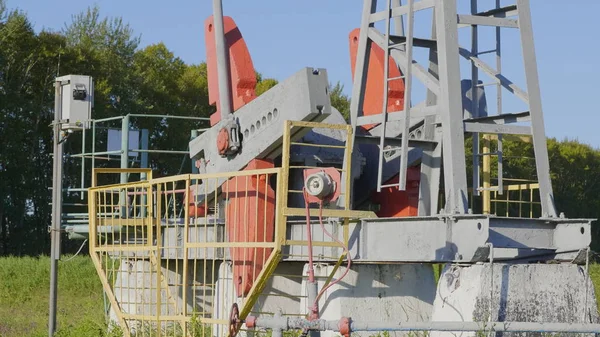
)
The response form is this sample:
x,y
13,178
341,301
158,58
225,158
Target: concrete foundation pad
x,y
375,293
561,293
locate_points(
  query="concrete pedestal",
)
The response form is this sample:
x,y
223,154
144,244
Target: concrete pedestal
x,y
514,292
375,293
368,292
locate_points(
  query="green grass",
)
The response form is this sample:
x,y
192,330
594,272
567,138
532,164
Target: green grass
x,y
24,294
24,288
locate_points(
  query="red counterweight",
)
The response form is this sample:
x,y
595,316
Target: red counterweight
x,y
250,217
242,73
373,98
396,203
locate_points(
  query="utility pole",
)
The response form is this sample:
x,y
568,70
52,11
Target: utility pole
x,y
56,206
73,102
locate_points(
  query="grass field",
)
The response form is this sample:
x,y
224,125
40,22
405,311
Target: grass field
x,y
24,287
24,293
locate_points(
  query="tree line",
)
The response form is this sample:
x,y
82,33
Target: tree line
x,y
152,80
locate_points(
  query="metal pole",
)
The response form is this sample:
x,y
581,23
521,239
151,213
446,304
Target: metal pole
x,y
540,147
222,60
56,208
487,169
83,163
475,99
144,164
124,147
124,162
293,323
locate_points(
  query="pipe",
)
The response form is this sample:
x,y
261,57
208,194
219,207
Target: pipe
x,y
56,207
124,162
294,323
82,232
222,60
172,117
106,119
124,147
312,287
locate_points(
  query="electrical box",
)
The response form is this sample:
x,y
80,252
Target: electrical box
x,y
77,101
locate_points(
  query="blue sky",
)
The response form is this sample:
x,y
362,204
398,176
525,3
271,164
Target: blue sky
x,y
284,36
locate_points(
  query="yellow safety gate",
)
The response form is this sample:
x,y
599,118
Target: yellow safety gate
x,y
167,252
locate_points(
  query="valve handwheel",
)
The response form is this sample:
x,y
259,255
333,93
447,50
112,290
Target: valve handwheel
x,y
234,320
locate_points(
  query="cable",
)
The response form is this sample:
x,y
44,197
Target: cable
x,y
79,251
311,269
346,250
311,275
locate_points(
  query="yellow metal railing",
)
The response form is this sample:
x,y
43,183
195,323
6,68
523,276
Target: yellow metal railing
x,y
175,254
517,200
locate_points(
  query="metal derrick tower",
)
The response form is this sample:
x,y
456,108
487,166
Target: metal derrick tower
x,y
442,120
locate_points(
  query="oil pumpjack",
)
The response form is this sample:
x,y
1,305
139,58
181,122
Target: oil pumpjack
x,y
298,217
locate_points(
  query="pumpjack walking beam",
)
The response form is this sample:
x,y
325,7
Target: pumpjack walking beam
x,y
443,109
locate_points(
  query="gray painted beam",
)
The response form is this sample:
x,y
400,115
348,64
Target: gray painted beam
x,y
498,128
468,20
500,12
407,98
417,42
505,82
474,99
360,76
461,238
431,167
431,161
416,113
401,10
384,107
535,108
396,141
362,60
399,22
451,110
302,97
502,118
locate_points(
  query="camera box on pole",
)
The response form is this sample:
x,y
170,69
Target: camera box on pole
x,y
77,101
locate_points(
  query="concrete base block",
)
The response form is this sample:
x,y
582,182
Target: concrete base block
x,y
281,294
514,292
375,293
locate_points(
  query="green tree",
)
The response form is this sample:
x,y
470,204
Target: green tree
x,y
167,86
104,48
264,84
339,100
27,66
